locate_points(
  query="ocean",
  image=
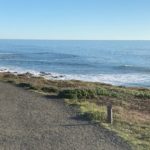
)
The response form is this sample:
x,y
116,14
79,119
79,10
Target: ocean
x,y
125,63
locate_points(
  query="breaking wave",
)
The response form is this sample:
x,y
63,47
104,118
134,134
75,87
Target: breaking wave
x,y
129,79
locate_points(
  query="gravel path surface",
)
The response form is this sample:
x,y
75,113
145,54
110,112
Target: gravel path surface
x,y
29,121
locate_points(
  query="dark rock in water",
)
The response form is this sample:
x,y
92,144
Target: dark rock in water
x,y
61,76
21,75
55,77
3,69
28,74
44,73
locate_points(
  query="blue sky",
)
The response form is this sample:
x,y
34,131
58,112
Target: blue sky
x,y
75,19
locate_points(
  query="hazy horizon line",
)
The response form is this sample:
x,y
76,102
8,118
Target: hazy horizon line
x,y
75,39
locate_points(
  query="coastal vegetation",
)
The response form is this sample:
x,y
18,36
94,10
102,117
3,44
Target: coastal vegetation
x,y
131,106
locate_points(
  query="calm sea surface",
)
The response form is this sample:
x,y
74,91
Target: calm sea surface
x,y
116,62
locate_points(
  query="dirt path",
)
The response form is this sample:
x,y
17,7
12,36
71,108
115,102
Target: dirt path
x,y
31,122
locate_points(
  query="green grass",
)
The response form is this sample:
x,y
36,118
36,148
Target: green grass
x,y
137,135
135,132
89,111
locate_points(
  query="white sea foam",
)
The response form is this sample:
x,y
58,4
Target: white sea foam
x,y
130,79
17,70
115,79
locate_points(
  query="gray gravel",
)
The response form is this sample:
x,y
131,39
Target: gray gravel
x,y
29,121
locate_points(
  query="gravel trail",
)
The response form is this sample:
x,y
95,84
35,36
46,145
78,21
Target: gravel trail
x,y
29,121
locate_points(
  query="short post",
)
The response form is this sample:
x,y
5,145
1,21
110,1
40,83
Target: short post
x,y
109,114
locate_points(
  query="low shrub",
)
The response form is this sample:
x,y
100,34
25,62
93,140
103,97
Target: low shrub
x,y
70,94
85,93
10,81
102,91
143,95
49,89
76,94
26,85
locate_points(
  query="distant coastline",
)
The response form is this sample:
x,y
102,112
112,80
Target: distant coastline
x,y
59,77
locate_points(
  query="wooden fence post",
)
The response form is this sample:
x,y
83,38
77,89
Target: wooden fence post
x,y
109,114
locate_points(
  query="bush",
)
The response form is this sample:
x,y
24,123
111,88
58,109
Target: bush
x,y
70,94
10,81
85,93
77,94
102,91
142,95
49,89
26,85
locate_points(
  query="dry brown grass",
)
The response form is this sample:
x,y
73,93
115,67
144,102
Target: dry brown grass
x,y
132,116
